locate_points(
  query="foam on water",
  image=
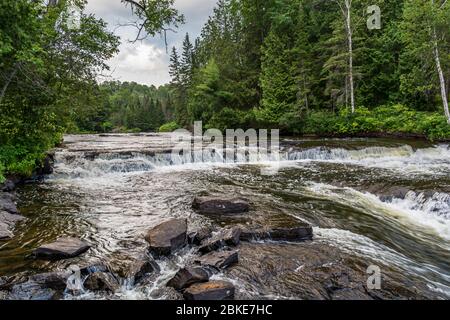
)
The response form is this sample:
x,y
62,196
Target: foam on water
x,y
365,247
426,214
435,160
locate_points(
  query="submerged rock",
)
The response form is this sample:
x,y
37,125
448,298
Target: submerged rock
x,y
212,290
226,237
218,260
101,281
167,237
279,234
188,276
62,248
211,205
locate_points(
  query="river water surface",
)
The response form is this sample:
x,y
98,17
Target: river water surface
x,y
370,202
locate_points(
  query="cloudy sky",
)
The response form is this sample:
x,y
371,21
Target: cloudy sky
x,y
146,61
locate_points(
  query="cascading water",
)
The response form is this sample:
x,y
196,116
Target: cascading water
x,y
370,201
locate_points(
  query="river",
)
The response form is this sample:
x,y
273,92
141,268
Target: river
x,y
380,202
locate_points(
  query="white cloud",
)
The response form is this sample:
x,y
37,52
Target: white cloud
x,y
146,61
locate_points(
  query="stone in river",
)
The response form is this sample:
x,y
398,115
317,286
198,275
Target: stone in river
x,y
226,237
7,222
212,205
5,234
52,280
219,260
167,237
188,276
62,248
295,234
212,290
101,281
7,203
196,237
139,269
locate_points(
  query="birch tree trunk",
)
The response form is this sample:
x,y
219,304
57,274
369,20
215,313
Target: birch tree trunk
x,y
440,73
348,5
441,80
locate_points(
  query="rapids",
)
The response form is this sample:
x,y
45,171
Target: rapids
x,y
370,201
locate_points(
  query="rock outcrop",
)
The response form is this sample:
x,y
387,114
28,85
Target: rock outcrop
x,y
167,237
212,290
225,237
188,276
218,260
62,248
101,281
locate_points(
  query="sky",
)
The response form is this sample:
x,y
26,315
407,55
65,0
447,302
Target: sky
x,y
146,61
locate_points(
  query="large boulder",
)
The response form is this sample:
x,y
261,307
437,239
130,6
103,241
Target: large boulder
x,y
62,248
101,281
295,234
212,290
167,237
188,276
218,260
212,205
226,237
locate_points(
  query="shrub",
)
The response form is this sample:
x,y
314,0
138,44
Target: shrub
x,y
169,127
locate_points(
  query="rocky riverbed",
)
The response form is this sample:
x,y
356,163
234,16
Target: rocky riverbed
x,y
119,219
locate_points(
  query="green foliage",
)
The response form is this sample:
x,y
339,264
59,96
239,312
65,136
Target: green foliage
x,y
169,127
395,119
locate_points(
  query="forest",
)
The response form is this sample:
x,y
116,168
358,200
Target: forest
x,y
303,66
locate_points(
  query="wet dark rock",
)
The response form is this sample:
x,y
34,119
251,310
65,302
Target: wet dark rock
x,y
51,280
5,233
7,202
211,205
226,237
9,185
196,237
101,281
295,234
93,269
188,276
47,165
32,290
218,260
138,270
212,290
62,248
167,237
7,223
